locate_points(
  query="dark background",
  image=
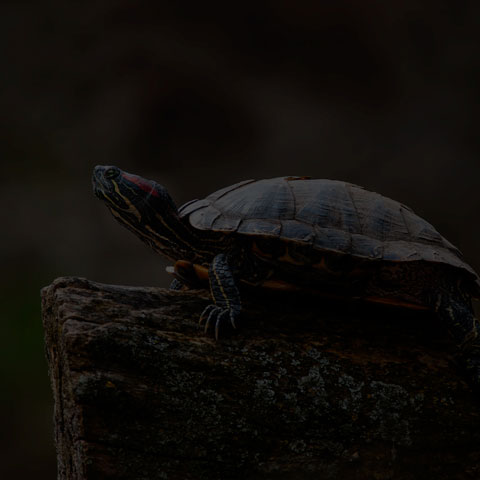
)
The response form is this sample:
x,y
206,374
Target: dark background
x,y
197,96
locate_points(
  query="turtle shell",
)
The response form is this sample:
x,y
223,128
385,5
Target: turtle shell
x,y
329,215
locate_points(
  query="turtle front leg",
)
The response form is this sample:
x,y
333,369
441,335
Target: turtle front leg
x,y
225,294
176,284
457,314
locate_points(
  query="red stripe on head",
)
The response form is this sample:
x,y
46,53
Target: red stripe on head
x,y
145,185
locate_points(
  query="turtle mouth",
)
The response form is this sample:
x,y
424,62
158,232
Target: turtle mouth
x,y
97,185
102,178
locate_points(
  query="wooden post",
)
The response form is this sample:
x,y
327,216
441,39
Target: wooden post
x,y
305,390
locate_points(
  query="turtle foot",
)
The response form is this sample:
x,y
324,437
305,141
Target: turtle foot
x,y
216,316
471,363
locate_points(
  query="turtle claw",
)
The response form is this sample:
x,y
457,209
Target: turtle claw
x,y
206,313
219,321
213,312
215,315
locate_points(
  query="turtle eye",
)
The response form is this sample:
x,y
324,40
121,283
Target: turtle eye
x,y
111,172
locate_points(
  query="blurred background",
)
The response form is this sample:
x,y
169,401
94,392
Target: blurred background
x,y
199,95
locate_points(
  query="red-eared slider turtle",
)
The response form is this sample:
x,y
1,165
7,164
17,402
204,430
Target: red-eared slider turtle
x,y
301,233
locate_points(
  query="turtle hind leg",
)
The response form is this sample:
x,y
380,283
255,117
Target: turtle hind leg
x,y
187,275
472,363
456,312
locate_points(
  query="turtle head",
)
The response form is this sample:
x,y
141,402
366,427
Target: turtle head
x,y
143,206
125,192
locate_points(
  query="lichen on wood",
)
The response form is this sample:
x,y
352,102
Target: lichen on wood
x,y
306,389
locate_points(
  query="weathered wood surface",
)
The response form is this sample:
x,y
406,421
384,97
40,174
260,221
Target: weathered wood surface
x,y
306,390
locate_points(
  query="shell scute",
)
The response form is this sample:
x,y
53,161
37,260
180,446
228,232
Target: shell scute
x,y
223,191
364,246
192,206
259,227
207,217
299,231
259,200
331,206
332,239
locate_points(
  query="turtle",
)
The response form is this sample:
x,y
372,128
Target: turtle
x,y
300,233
